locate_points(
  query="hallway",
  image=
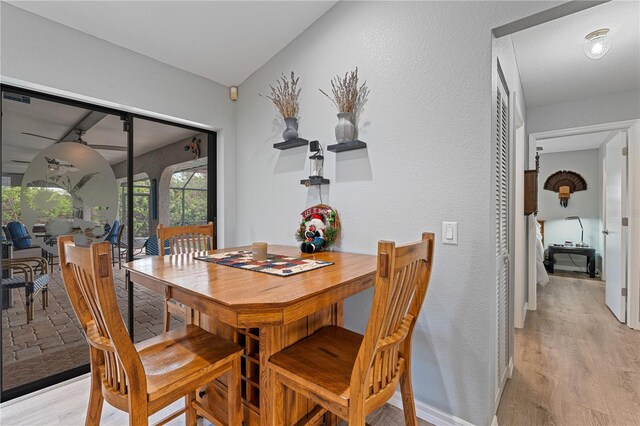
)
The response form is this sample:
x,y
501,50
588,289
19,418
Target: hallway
x,y
574,363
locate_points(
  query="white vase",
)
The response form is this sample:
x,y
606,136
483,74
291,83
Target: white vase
x,y
345,129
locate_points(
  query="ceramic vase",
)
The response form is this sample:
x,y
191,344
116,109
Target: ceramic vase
x,y
291,132
345,129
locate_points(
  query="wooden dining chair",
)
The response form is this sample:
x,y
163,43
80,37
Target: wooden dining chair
x,y
183,239
351,375
146,377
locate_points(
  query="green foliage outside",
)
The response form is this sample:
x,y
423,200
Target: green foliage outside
x,y
195,202
195,198
58,203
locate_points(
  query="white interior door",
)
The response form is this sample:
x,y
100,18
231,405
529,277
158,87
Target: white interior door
x,y
614,241
503,275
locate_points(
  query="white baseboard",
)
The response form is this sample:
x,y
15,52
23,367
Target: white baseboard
x,y
509,369
431,414
519,322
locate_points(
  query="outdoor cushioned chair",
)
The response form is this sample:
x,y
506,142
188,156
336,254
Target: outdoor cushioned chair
x,y
19,236
32,274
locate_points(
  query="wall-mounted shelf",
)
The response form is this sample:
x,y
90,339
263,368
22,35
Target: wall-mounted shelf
x,y
292,143
347,146
314,181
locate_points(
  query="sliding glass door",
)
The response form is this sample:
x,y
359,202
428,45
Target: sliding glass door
x,y
58,179
99,175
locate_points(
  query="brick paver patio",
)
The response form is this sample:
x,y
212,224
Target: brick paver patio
x,y
54,342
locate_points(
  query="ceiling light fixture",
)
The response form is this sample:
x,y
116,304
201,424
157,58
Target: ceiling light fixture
x,y
597,44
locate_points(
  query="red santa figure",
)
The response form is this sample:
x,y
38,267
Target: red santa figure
x,y
314,234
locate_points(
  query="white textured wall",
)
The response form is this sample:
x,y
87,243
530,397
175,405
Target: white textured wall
x,y
601,109
582,203
428,130
39,52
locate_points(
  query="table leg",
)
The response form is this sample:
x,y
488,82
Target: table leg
x,y
270,343
337,314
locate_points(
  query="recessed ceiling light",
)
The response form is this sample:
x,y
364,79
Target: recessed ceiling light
x,y
597,44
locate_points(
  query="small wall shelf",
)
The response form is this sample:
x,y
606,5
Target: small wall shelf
x,y
314,181
292,143
347,146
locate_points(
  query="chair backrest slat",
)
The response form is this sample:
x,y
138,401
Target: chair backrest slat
x,y
186,239
401,285
88,279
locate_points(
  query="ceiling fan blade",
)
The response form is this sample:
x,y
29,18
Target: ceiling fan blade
x,y
40,136
108,147
21,161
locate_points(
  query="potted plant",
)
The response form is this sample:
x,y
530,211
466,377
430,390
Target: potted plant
x,y
349,98
285,97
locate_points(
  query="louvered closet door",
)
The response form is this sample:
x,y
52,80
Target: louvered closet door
x,y
502,237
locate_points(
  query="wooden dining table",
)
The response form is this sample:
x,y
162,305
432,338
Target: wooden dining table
x,y
263,313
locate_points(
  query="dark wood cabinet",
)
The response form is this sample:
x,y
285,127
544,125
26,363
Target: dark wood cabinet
x,y
530,192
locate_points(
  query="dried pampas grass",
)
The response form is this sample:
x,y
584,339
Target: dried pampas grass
x,y
285,96
346,95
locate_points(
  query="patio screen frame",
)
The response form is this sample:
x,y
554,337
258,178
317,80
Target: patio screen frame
x,y
127,119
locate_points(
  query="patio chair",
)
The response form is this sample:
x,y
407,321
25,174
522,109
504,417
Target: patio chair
x,y
32,273
19,236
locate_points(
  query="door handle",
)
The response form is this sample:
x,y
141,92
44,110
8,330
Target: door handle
x,y
605,232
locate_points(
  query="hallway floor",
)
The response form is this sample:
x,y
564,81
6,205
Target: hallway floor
x,y
575,364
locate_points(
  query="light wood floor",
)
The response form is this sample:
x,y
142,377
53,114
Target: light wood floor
x,y
65,405
575,364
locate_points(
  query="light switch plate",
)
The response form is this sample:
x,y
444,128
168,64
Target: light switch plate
x,y
450,233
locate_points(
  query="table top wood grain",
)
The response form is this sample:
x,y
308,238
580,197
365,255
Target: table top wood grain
x,y
246,292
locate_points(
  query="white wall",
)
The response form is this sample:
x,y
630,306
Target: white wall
x,y
51,57
505,52
585,204
429,133
601,109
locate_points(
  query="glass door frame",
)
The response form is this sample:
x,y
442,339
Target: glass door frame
x,y
128,120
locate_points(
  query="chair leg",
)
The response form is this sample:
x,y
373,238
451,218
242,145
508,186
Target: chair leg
x,y
234,394
47,295
330,419
408,403
94,410
276,400
191,414
29,303
356,413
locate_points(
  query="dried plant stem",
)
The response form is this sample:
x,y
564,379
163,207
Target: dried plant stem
x,y
346,95
285,96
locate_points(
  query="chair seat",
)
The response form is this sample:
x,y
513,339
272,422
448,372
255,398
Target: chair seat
x,y
181,356
18,282
323,361
14,282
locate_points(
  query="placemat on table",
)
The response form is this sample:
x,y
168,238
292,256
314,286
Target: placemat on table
x,y
276,264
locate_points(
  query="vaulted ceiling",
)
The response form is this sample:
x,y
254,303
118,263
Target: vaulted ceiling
x,y
224,41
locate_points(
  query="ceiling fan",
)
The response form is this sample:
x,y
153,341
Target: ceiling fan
x,y
54,165
79,139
